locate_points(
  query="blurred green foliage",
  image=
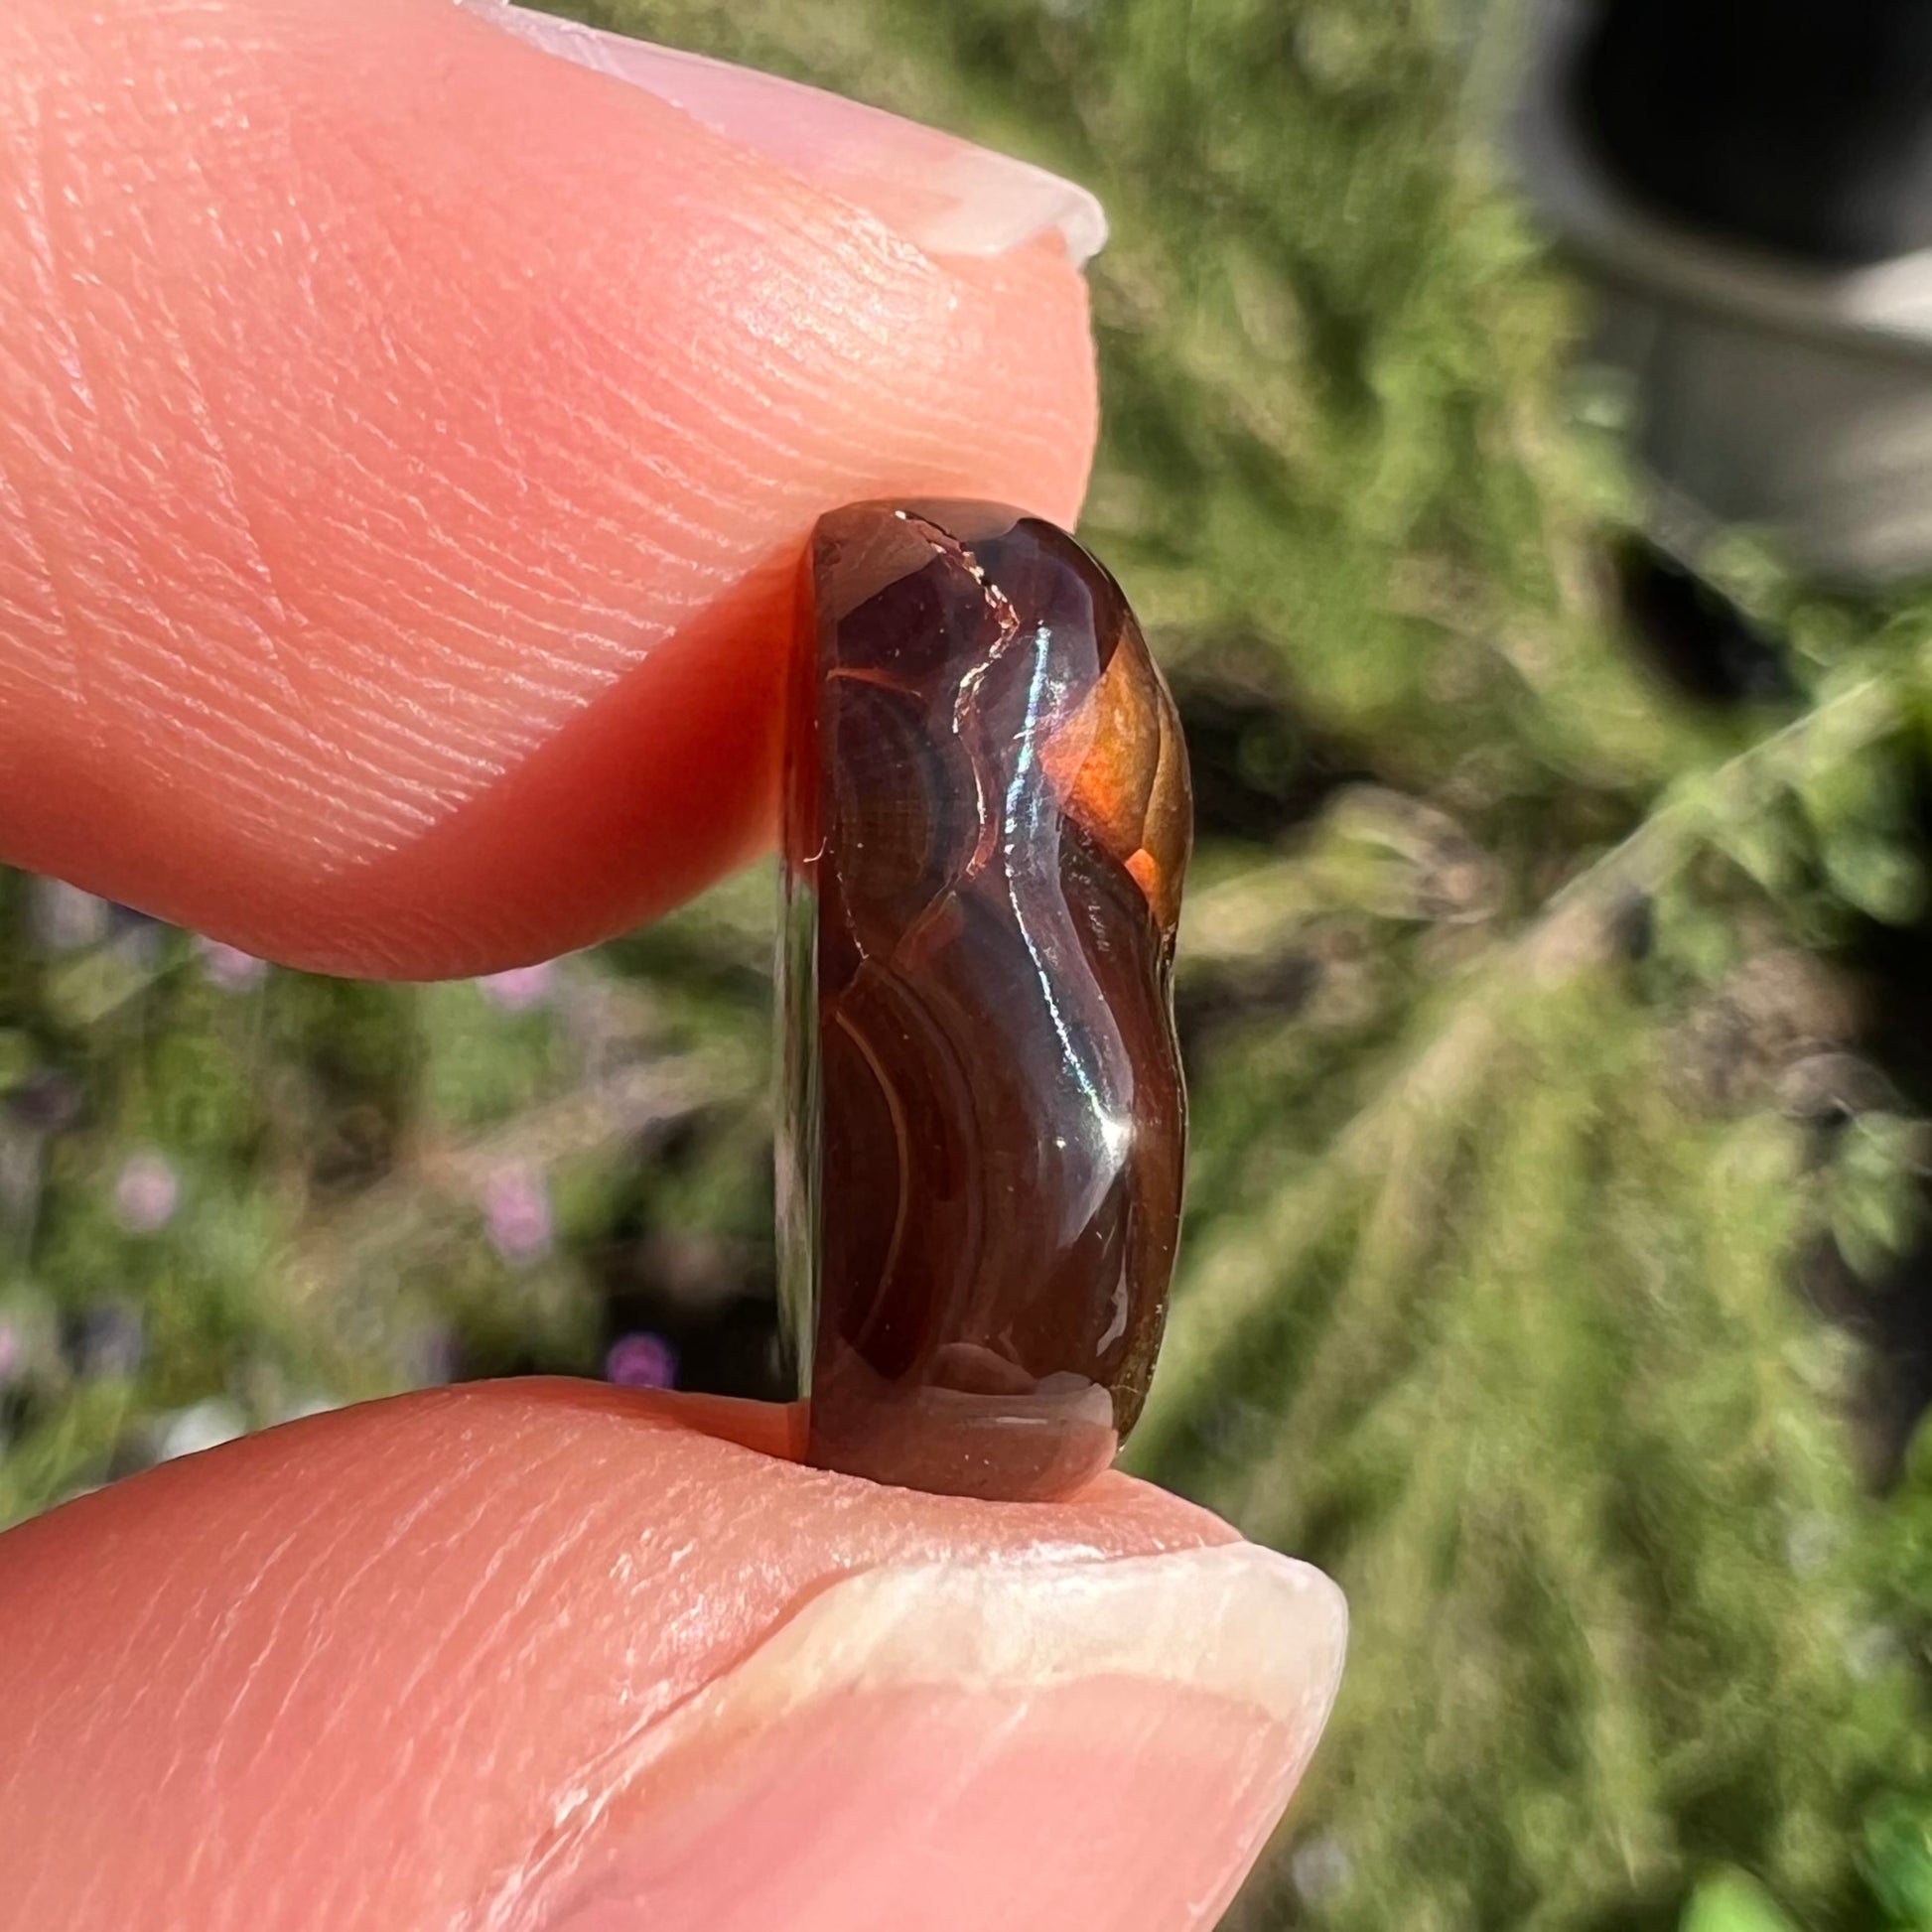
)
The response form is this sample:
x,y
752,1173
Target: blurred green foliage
x,y
1552,1151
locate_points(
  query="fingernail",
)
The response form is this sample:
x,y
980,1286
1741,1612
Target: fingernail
x,y
941,193
1027,1745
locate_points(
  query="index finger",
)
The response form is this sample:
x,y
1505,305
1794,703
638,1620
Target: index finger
x,y
405,439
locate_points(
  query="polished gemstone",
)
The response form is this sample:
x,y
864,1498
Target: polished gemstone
x,y
987,822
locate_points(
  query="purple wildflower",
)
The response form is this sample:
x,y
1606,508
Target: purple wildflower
x,y
516,1212
519,989
642,1361
64,918
13,1352
147,1193
229,967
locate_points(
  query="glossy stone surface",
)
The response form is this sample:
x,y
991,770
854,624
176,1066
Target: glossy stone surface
x,y
986,823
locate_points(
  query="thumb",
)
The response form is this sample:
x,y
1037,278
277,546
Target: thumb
x,y
406,437
544,1655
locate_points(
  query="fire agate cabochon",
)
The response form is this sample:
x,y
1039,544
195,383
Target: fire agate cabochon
x,y
986,823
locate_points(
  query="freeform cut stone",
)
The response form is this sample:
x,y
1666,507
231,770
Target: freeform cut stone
x,y
987,824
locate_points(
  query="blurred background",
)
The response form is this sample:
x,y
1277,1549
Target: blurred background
x,y
1554,988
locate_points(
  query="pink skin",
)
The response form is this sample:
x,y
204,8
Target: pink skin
x,y
548,1654
405,440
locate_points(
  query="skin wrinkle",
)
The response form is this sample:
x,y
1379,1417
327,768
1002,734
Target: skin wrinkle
x,y
311,1656
473,1604
513,460
686,488
209,1849
201,1685
289,1589
40,239
177,1770
444,1650
802,377
50,621
662,512
426,806
180,713
797,372
479,1625
458,594
484,637
256,559
375,737
438,735
98,353
882,259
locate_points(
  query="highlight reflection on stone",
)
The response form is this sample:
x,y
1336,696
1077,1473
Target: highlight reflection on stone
x,y
986,823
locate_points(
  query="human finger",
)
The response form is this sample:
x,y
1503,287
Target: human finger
x,y
546,1654
407,436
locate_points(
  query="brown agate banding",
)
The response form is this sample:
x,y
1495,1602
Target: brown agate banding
x,y
987,822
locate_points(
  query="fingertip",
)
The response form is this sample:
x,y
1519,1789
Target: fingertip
x,y
417,605
375,1657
